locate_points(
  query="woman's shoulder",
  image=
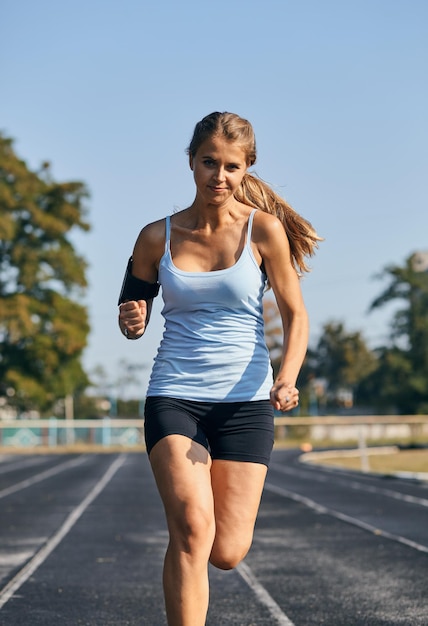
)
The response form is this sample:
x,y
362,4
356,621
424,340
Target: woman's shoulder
x,y
266,226
150,244
153,233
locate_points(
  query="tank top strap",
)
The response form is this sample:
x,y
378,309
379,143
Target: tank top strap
x,y
250,228
168,230
167,233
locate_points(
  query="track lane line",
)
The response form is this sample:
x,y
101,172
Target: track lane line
x,y
24,574
353,484
16,465
263,595
319,508
23,484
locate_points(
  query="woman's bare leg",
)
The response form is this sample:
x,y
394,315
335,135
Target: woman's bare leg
x,y
182,471
237,489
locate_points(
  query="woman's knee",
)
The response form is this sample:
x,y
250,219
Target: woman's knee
x,y
192,530
227,555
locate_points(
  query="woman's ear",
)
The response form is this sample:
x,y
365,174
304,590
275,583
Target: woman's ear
x,y
191,162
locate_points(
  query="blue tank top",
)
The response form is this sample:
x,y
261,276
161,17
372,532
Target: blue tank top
x,y
213,347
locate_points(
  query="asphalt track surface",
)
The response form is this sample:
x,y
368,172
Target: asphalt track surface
x,y
82,539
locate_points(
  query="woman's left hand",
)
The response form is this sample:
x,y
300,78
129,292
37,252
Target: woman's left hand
x,y
284,396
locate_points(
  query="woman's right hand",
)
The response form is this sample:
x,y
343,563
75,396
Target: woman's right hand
x,y
132,318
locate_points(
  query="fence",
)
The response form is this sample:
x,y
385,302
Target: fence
x,y
341,428
54,433
111,433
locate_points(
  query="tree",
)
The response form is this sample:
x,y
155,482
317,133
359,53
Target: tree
x,y
273,331
274,342
43,327
343,357
342,361
402,376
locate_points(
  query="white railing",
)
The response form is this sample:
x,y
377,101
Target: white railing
x,y
108,433
343,428
53,433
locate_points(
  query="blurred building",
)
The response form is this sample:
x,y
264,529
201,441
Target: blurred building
x,y
420,261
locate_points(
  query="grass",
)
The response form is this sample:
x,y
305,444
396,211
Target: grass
x,y
414,461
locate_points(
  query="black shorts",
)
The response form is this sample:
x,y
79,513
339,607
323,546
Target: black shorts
x,y
234,431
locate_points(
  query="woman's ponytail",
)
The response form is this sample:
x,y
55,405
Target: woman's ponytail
x,y
301,234
253,191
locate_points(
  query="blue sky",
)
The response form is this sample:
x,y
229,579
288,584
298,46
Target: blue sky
x,y
337,92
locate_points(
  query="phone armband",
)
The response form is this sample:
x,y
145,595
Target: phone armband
x,y
136,289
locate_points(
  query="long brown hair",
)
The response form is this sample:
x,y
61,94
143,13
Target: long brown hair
x,y
255,192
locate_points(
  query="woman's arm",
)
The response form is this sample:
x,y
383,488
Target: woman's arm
x,y
134,315
274,248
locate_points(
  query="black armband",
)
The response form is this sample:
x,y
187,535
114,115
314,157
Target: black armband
x,y
136,289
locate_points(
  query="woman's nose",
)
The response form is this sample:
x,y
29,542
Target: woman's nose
x,y
219,174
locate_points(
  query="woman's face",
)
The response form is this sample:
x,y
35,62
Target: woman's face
x,y
218,168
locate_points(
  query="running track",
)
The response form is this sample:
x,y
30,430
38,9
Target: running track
x,y
82,539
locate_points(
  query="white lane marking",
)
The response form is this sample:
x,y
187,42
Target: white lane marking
x,y
344,518
15,559
14,554
264,597
353,484
14,465
42,476
23,575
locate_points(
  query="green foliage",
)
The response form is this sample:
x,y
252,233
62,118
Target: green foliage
x,y
43,328
343,358
383,387
402,375
341,369
128,408
89,407
334,369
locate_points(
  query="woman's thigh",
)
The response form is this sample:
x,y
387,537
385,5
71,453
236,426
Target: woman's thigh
x,y
237,489
182,470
